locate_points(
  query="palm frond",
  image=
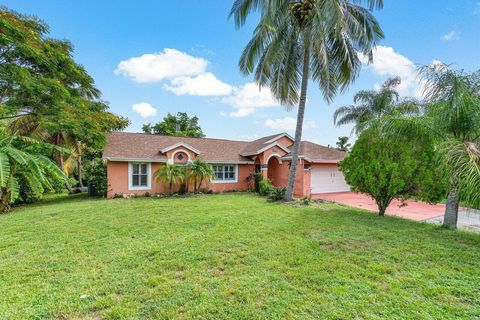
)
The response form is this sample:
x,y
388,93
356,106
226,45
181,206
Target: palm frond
x,y
4,169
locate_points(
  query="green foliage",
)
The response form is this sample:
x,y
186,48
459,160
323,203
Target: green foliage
x,y
176,125
386,170
371,105
199,171
452,121
257,177
171,174
24,170
265,187
46,95
342,144
277,194
305,201
96,175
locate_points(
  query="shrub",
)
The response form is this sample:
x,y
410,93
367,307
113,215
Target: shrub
x,y
257,177
96,174
387,170
305,201
277,194
265,187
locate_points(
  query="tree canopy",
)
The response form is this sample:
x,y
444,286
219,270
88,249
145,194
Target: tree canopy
x,y
176,125
371,104
452,121
387,170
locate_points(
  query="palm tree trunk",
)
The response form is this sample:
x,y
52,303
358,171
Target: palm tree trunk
x,y
451,209
171,191
195,184
299,128
5,200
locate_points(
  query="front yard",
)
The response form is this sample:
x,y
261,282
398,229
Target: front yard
x,y
230,256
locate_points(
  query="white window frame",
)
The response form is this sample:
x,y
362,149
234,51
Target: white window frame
x,y
235,169
130,176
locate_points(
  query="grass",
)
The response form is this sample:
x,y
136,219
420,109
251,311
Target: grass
x,y
230,256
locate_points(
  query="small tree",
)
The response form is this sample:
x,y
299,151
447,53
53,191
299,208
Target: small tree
x,y
199,171
176,125
342,144
386,170
170,174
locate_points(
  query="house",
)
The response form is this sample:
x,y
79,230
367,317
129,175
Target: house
x,y
132,158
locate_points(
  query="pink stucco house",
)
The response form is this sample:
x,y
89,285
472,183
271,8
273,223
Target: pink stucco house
x,y
132,158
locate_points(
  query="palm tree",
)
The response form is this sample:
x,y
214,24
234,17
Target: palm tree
x,y
19,159
371,105
452,119
306,39
171,174
199,171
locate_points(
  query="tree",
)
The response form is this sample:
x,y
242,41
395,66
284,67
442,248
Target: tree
x,y
176,125
20,158
371,105
48,95
342,144
307,39
387,170
170,174
199,170
452,120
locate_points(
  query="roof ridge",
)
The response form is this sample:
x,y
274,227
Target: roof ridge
x,y
164,135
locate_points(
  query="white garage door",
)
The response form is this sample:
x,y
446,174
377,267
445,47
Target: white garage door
x,y
327,179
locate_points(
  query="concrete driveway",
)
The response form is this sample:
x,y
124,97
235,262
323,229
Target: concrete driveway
x,y
414,210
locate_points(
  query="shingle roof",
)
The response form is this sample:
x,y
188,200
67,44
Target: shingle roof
x,y
317,153
147,146
125,145
258,144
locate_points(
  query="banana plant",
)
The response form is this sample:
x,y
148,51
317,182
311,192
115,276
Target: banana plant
x,y
20,158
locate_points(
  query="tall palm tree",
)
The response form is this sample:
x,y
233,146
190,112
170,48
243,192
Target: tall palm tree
x,y
199,171
306,39
452,119
171,174
371,105
19,159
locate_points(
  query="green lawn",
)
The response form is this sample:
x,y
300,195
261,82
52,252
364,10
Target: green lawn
x,y
230,256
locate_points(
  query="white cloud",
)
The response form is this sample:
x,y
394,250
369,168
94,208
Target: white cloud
x,y
144,109
248,98
450,36
388,63
168,64
287,124
204,84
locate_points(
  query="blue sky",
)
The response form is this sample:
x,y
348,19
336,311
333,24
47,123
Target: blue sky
x,y
198,72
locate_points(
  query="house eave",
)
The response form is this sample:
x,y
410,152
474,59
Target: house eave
x,y
275,144
180,144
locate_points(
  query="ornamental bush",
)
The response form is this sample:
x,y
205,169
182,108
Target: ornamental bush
x,y
388,170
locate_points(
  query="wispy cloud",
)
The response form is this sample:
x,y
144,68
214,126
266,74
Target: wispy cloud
x,y
450,36
287,124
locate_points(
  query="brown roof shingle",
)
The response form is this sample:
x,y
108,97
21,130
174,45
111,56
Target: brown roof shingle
x,y
125,145
147,146
318,153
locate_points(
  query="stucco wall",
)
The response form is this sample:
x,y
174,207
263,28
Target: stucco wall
x,y
117,177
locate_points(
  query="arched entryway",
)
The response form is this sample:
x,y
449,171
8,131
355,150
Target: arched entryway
x,y
276,172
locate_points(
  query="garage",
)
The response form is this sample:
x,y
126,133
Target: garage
x,y
327,179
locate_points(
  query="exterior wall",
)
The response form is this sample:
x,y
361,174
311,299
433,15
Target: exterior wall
x,y
243,180
285,141
117,178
